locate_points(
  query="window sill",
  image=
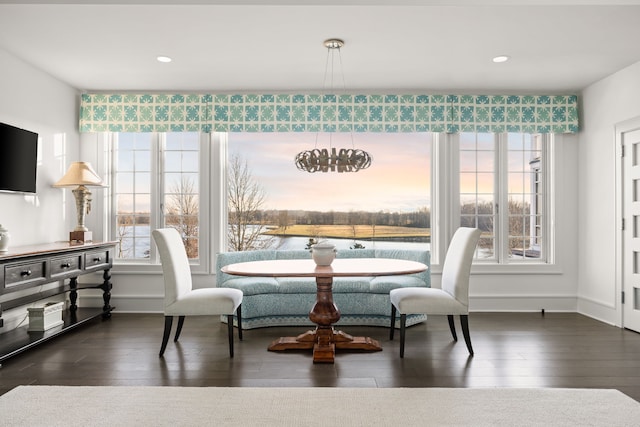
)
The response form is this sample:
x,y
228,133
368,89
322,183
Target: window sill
x,y
477,269
508,269
138,268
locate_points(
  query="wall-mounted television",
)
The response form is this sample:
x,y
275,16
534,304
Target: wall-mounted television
x,y
18,159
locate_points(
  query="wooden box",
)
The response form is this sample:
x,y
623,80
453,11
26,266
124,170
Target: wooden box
x,y
45,317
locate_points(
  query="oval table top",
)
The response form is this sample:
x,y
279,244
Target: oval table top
x,y
340,267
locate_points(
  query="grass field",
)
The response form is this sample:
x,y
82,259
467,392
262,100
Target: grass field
x,y
350,231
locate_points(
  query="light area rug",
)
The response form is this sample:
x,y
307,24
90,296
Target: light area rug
x,y
247,407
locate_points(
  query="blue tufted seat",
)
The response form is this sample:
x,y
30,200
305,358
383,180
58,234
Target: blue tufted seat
x,y
286,301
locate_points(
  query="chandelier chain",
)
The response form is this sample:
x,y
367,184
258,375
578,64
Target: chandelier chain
x,y
333,160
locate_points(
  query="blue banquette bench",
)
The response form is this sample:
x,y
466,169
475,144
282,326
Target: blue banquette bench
x,y
286,301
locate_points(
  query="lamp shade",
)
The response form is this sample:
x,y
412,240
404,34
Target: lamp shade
x,y
80,173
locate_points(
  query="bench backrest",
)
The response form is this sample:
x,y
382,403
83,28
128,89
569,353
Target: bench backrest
x,y
226,258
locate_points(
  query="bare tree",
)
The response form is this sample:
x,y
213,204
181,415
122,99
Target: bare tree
x,y
283,221
519,224
354,232
316,230
122,232
373,220
182,213
245,198
480,215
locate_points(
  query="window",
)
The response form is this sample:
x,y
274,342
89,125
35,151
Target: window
x,y
497,182
502,192
272,204
156,183
477,188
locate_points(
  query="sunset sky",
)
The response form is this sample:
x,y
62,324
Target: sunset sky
x,y
398,179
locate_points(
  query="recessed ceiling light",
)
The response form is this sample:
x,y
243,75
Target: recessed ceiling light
x,y
501,58
163,59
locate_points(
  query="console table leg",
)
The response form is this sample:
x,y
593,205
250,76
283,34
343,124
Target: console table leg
x,y
106,293
73,294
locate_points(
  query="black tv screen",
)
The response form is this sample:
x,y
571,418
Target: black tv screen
x,y
18,159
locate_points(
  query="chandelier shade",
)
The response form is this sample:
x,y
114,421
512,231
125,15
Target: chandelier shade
x,y
333,159
344,160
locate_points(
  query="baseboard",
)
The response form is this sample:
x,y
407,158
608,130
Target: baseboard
x,y
128,303
526,303
478,303
603,312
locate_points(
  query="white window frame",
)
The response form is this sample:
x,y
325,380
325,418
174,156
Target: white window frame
x,y
449,208
203,264
444,207
220,158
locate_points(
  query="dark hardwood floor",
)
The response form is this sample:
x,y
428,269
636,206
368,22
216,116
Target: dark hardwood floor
x,y
511,350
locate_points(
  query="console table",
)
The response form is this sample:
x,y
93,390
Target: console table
x,y
29,267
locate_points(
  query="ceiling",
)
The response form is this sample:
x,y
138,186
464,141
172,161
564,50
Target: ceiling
x,y
556,46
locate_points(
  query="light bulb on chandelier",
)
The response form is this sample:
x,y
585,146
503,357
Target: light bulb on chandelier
x,y
332,159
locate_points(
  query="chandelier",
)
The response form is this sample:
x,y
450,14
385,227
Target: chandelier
x,y
333,159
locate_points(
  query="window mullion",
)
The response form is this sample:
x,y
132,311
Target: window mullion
x,y
204,217
157,188
502,196
113,186
548,211
447,191
218,216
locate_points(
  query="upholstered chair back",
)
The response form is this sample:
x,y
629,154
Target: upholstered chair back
x,y
175,264
457,263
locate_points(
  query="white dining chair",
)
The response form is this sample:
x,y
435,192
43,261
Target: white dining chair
x,y
180,299
451,299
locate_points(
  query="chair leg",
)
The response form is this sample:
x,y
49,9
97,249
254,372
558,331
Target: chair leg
x,y
168,321
179,328
464,322
403,323
230,329
392,327
452,326
239,316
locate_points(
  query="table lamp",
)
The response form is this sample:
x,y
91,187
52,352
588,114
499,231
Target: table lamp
x,y
80,175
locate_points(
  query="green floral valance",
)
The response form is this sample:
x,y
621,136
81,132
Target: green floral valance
x,y
328,112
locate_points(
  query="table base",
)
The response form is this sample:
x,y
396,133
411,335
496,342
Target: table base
x,y
324,341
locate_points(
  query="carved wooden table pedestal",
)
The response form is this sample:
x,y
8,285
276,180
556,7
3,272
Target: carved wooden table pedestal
x,y
325,339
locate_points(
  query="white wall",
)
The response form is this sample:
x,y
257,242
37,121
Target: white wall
x,y
33,100
36,101
604,104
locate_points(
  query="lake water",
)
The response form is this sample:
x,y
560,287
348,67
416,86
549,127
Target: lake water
x,y
143,242
293,243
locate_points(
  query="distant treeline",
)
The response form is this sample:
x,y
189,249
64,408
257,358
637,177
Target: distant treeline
x,y
142,218
283,218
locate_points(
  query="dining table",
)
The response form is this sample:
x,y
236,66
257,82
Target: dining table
x,y
325,339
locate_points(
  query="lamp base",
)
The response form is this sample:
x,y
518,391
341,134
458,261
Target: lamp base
x,y
80,237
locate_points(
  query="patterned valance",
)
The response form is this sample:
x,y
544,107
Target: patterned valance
x,y
328,112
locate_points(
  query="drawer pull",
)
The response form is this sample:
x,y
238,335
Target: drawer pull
x,y
25,273
97,259
65,265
